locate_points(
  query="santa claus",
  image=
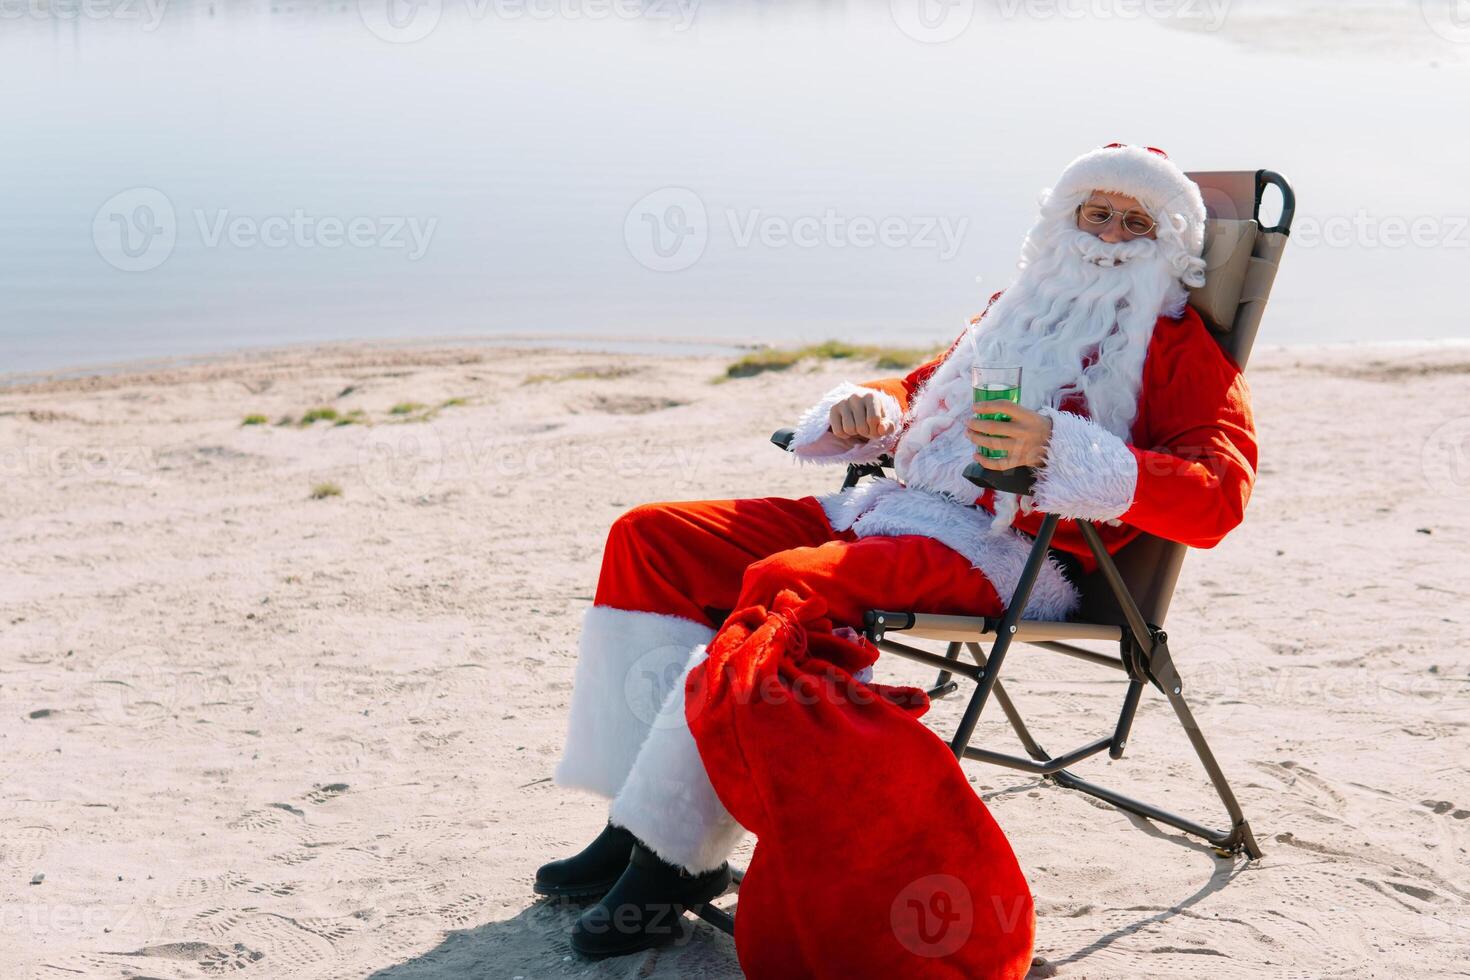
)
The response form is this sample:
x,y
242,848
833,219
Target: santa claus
x,y
1131,415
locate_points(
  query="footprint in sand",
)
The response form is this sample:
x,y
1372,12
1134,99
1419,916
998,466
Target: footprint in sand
x,y
322,794
1445,806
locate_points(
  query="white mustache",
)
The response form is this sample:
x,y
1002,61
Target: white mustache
x,y
1110,254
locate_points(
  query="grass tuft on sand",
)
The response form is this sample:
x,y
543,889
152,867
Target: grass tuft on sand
x,y
255,420
407,408
782,359
583,374
323,414
324,490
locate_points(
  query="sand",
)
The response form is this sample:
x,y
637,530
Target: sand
x,y
250,733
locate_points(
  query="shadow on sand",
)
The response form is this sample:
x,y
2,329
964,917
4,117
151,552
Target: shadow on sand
x,y
534,945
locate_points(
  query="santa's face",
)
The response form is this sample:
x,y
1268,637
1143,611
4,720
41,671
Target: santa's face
x,y
1114,217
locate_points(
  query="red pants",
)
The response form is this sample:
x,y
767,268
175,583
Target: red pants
x,y
671,573
707,557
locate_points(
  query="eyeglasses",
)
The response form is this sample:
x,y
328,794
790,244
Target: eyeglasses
x,y
1098,213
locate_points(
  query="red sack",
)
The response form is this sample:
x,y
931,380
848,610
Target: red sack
x,y
874,856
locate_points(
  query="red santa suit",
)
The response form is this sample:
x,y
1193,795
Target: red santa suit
x,y
770,588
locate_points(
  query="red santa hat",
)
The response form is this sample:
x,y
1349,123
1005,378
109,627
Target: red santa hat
x,y
1147,174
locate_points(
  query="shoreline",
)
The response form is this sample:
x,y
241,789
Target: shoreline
x,y
152,368
520,343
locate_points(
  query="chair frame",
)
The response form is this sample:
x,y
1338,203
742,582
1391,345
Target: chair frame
x,y
1143,652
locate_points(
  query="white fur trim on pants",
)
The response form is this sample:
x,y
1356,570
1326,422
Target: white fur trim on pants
x,y
886,507
668,802
628,663
815,443
1089,474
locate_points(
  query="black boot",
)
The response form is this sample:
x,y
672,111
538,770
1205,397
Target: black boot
x,y
646,907
590,873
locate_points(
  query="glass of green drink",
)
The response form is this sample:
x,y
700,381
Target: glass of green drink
x,y
993,384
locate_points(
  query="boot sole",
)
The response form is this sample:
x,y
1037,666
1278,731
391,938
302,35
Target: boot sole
x,y
644,941
592,891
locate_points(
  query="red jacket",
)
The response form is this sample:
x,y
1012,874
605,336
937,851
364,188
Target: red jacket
x,y
1194,441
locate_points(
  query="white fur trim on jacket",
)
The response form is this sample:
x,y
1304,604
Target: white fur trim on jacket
x,y
668,802
815,443
1089,473
886,507
628,663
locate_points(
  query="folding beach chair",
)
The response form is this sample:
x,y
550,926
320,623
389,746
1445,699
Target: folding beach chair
x,y
1126,599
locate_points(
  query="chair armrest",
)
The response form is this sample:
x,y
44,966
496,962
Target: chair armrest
x,y
1018,479
782,438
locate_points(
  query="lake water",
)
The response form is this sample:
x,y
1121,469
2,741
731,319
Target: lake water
x,y
183,178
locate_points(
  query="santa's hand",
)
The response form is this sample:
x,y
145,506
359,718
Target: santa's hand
x,y
1023,439
858,418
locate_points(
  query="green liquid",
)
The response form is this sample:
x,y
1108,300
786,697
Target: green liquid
x,y
993,393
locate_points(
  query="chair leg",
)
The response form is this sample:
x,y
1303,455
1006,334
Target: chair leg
x,y
953,653
1239,838
1018,724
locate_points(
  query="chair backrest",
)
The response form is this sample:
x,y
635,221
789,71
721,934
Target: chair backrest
x,y
1241,261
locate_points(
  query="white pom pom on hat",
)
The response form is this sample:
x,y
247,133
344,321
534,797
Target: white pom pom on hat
x,y
1144,173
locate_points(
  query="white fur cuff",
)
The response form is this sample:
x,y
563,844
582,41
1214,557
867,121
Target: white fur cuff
x,y
628,663
1090,473
668,802
815,443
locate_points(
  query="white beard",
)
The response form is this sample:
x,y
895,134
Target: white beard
x,y
1075,294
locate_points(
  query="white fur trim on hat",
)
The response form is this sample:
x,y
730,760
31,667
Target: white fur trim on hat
x,y
1154,180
